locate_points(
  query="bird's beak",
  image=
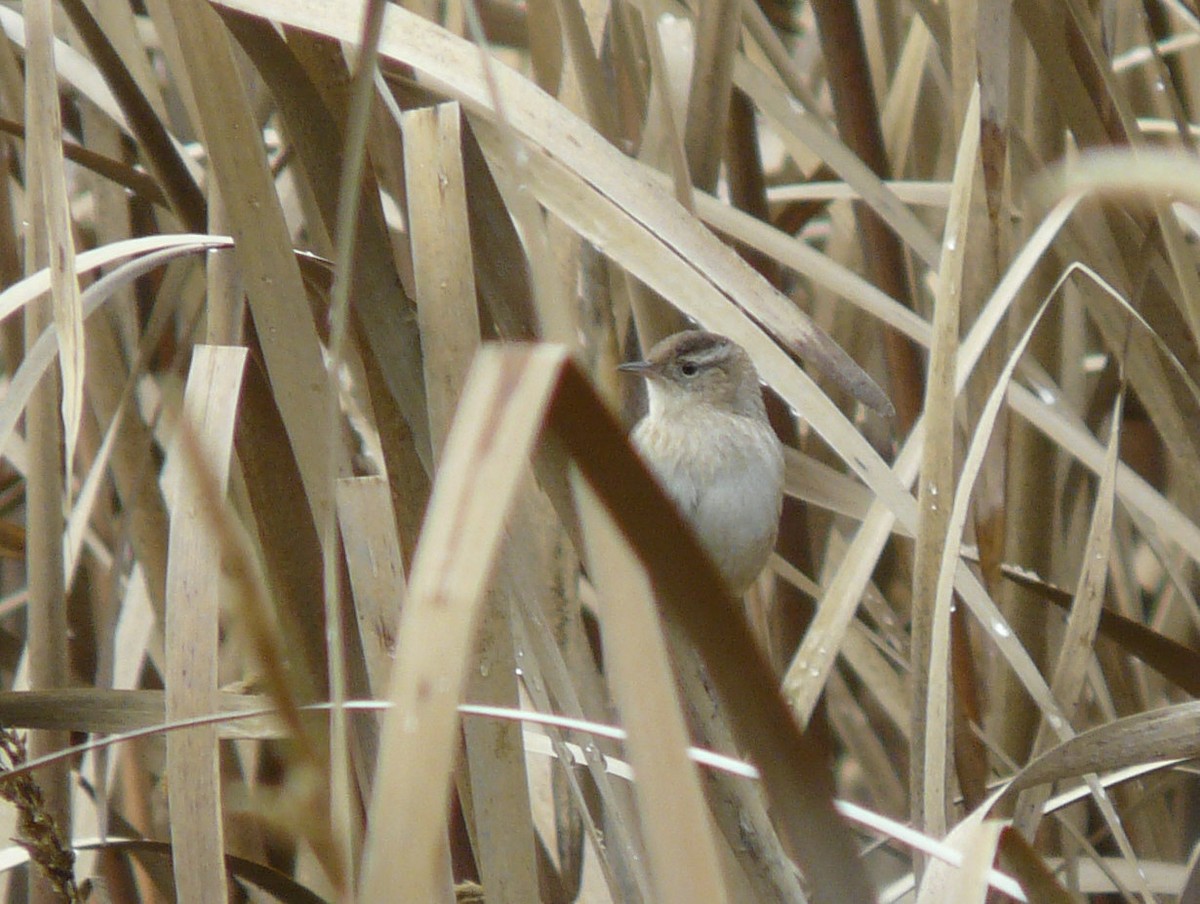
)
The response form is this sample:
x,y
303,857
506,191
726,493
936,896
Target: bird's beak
x,y
634,367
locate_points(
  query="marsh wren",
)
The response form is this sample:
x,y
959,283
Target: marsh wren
x,y
707,437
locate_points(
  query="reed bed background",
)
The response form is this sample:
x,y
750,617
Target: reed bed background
x,y
285,550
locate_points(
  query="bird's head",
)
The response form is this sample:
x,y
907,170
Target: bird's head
x,y
698,368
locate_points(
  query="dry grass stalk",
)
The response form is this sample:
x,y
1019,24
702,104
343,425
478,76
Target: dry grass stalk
x,y
984,212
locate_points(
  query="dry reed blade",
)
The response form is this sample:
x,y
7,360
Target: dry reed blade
x,y
53,235
717,34
449,321
802,130
52,407
444,277
311,91
498,419
376,568
1075,651
44,348
455,66
1087,170
1161,735
679,842
113,711
1037,881
192,623
263,247
931,610
978,841
145,121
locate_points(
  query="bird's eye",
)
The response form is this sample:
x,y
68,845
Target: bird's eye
x,y
689,368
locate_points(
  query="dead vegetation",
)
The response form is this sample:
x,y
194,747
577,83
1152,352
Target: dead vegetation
x,y
285,551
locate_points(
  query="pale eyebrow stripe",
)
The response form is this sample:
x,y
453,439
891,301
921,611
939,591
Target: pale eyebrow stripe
x,y
706,354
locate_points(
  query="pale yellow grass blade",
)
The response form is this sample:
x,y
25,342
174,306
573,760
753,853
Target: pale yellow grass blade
x,y
800,128
977,840
77,71
806,674
567,681
85,503
1175,528
1001,634
920,194
587,68
344,800
818,484
950,563
499,417
193,615
717,36
682,851
931,614
368,528
45,649
823,269
46,166
442,270
1163,735
498,808
19,294
898,117
1075,654
448,317
107,287
993,623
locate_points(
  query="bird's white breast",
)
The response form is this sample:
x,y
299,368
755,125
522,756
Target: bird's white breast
x,y
725,472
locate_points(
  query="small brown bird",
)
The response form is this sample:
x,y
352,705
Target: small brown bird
x,y
707,437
